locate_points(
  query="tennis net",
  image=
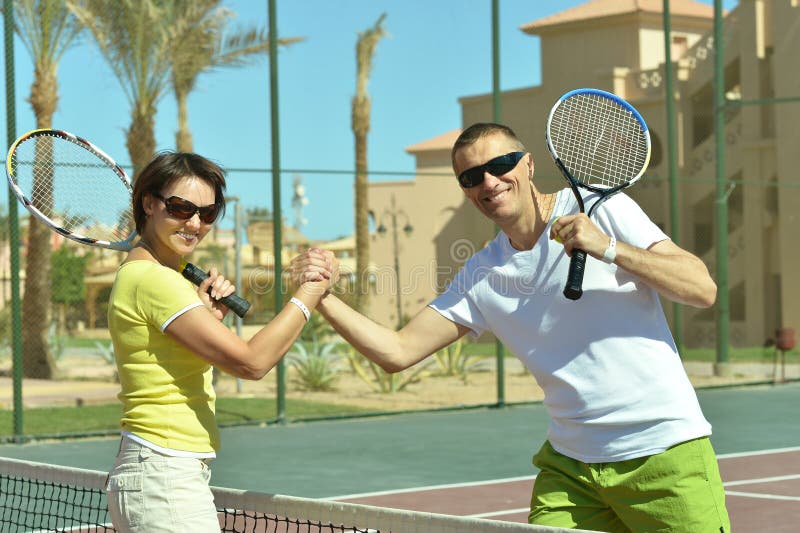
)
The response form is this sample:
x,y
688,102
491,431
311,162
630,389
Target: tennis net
x,y
42,497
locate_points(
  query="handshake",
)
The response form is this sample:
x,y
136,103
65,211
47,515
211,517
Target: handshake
x,y
315,267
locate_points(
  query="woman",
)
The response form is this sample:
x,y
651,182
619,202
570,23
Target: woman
x,y
167,335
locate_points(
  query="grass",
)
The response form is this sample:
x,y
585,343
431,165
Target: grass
x,y
81,342
105,418
94,419
754,354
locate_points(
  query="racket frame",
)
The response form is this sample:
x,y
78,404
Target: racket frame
x,y
573,289
121,246
235,303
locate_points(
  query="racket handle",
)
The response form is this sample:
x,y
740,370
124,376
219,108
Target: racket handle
x,y
574,288
235,303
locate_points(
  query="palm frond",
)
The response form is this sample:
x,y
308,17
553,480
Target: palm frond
x,y
46,28
133,38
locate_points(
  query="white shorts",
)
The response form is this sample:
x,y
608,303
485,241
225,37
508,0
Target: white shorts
x,y
150,492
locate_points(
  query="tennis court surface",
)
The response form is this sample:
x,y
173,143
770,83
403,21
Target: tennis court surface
x,y
473,464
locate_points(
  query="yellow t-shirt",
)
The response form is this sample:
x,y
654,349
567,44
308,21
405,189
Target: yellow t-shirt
x,y
167,393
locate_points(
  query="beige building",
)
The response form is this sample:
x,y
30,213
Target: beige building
x,y
444,232
618,46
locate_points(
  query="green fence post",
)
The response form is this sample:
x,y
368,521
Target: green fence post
x,y
674,226
497,117
13,222
722,366
276,193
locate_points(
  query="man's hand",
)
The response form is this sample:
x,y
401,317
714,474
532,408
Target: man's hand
x,y
316,266
579,232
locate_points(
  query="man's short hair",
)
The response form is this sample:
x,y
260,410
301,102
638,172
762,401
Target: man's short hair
x,y
478,131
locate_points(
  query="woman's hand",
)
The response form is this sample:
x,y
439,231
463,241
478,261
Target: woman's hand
x,y
214,288
315,266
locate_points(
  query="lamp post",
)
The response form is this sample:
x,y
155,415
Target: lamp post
x,y
393,213
238,221
299,200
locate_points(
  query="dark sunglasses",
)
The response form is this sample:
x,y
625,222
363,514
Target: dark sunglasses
x,y
184,209
496,167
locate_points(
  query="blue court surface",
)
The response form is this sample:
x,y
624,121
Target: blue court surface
x,y
386,460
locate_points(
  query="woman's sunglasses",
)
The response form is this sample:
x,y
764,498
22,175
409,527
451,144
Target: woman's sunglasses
x,y
496,167
184,209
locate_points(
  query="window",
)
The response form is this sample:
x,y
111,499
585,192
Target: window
x,y
680,44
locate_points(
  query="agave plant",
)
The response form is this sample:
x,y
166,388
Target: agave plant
x,y
380,380
452,360
315,364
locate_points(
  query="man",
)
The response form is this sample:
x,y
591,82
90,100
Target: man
x,y
627,446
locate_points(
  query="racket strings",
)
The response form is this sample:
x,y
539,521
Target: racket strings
x,y
73,187
599,141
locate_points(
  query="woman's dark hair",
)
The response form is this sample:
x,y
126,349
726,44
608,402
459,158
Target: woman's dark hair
x,y
168,167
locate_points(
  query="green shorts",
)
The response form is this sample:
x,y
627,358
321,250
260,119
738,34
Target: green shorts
x,y
678,490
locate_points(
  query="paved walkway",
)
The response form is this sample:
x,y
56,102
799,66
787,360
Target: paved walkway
x,y
40,393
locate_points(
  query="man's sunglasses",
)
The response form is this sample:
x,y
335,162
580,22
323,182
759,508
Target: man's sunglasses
x,y
184,209
496,167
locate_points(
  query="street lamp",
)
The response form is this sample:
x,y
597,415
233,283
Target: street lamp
x,y
299,200
393,214
238,221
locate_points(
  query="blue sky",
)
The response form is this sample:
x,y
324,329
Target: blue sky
x,y
435,52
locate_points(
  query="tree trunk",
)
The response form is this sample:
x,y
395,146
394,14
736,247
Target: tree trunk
x,y
361,117
183,138
365,48
37,359
141,141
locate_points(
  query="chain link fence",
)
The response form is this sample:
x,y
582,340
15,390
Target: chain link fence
x,y
420,227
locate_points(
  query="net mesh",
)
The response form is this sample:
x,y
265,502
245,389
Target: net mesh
x,y
63,178
599,141
41,497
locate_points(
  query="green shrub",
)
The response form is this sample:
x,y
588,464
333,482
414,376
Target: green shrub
x,y
378,379
453,360
315,365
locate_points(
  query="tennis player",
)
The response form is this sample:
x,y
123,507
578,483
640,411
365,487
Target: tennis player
x,y
167,334
627,447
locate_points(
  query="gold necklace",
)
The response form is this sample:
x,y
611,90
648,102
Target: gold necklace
x,y
547,210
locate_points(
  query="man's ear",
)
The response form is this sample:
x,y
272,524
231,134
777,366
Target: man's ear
x,y
530,166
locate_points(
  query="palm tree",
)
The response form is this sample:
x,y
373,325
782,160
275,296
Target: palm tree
x,y
207,44
47,30
135,38
365,49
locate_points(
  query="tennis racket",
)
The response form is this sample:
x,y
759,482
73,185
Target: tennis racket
x,y
79,192
600,143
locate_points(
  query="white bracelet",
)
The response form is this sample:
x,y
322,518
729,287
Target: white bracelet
x,y
302,307
611,252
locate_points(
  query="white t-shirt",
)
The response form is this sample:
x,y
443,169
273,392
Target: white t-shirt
x,y
613,383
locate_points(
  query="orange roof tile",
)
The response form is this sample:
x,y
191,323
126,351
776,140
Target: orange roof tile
x,y
606,8
444,141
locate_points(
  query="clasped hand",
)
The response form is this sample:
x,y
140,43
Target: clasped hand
x,y
315,266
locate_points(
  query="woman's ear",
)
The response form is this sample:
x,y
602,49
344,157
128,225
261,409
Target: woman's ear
x,y
147,203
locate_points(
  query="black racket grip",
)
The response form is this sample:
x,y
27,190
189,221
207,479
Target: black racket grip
x,y
574,288
235,303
